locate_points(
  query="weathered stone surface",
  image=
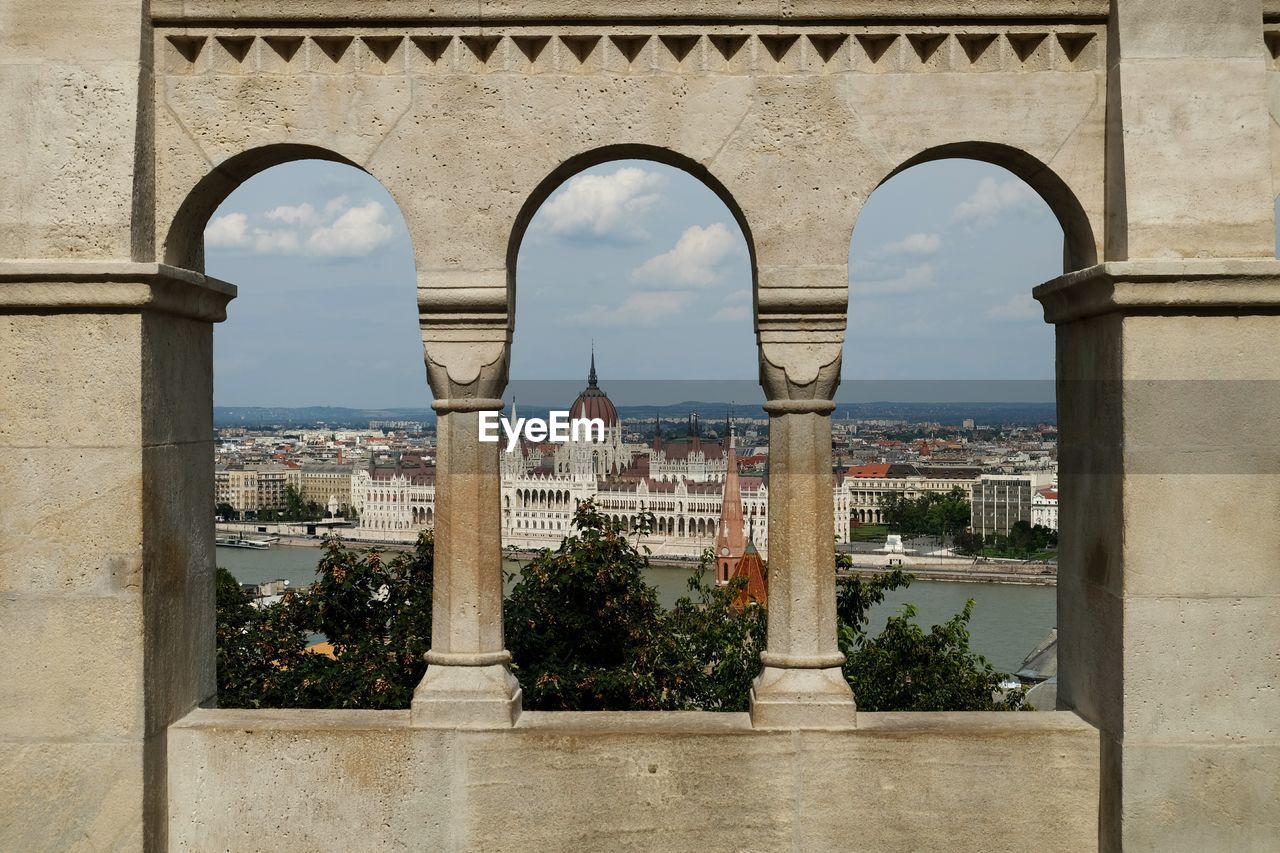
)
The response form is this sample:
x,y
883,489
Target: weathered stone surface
x,y
70,522
82,797
1202,668
1236,782
646,781
177,371
716,10
93,407
1167,604
178,561
906,766
73,669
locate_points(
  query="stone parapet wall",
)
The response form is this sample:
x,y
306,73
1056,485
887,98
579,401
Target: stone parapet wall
x,y
335,780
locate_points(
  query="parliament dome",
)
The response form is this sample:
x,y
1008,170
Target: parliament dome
x,y
593,402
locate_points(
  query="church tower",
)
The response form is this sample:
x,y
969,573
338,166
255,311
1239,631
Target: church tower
x,y
729,541
751,567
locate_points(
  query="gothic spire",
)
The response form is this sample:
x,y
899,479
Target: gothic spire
x,y
592,381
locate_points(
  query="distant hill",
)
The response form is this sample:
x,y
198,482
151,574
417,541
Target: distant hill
x,y
306,416
992,414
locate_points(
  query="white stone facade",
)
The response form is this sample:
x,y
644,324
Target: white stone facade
x,y
1044,508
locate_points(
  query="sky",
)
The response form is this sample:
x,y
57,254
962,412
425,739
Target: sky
x,y
638,258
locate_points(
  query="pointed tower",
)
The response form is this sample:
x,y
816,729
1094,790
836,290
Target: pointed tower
x,y
657,432
729,544
752,568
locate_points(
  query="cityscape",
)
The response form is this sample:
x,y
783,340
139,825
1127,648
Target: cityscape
x,y
377,484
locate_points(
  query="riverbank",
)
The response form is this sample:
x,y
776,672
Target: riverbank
x,y
1038,577
924,567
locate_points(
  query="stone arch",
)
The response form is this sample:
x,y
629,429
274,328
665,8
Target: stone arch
x,y
609,153
1079,244
183,243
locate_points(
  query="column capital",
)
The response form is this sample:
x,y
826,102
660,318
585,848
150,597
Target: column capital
x,y
800,322
465,318
1163,287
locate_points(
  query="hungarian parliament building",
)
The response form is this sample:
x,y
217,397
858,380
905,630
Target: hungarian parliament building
x,y
680,479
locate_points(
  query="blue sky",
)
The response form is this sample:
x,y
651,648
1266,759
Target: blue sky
x,y
639,257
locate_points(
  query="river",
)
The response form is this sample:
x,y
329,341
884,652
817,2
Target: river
x,y
1008,619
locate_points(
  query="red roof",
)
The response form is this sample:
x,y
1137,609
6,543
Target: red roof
x,y
751,567
879,469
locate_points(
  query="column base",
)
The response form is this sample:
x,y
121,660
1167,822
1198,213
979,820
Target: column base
x,y
466,697
802,699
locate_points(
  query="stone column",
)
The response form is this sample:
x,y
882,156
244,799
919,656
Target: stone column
x,y
1169,569
106,543
468,683
1168,596
800,328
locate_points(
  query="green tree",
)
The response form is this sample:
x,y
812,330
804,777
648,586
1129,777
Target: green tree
x,y
259,650
905,667
585,630
930,514
295,508
949,514
586,633
968,542
224,510
375,612
719,643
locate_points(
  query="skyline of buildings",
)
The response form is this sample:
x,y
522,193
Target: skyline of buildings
x,y
678,472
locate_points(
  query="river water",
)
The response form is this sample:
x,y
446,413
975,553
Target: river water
x,y
1008,619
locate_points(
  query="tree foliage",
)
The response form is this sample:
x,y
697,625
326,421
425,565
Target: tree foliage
x,y
1023,542
930,514
720,642
259,650
586,633
906,667
375,612
585,630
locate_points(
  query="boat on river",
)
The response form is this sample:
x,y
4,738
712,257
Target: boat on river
x,y
234,540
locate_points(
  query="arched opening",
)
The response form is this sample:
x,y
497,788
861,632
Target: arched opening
x,y
633,263
632,274
318,369
946,417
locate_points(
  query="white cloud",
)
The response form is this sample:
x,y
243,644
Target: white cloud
x,y
992,198
334,206
1019,307
340,231
356,232
915,244
912,280
639,309
301,214
227,231
602,205
693,260
274,242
